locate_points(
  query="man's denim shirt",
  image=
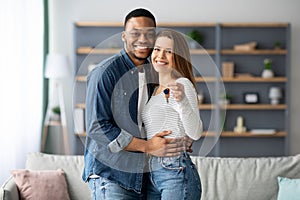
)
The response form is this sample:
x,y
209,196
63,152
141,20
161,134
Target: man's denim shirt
x,y
111,122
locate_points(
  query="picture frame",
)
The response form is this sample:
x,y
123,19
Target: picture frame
x,y
251,98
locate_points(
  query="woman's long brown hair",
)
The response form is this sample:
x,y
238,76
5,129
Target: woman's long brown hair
x,y
182,58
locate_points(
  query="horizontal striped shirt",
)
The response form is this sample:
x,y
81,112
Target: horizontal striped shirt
x,y
182,118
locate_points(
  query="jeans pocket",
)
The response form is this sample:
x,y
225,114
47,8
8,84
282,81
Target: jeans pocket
x,y
171,163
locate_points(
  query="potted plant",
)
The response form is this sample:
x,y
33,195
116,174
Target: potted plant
x,y
225,99
196,38
56,113
277,45
267,72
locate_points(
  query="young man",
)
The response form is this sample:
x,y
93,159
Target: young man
x,y
116,149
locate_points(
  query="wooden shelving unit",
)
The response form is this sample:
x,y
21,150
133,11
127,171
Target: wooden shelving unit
x,y
219,41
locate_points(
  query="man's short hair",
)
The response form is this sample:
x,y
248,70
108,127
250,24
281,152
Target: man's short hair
x,y
140,12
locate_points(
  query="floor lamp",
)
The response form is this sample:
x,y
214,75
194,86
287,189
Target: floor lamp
x,y
57,67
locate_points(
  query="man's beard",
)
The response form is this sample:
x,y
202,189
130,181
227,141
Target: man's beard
x,y
139,58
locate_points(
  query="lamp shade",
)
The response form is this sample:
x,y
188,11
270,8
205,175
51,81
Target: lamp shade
x,y
57,66
275,92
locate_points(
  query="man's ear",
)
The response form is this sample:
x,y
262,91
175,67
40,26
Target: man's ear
x,y
123,36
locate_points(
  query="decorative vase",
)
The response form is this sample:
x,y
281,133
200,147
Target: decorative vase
x,y
194,44
224,102
55,117
267,73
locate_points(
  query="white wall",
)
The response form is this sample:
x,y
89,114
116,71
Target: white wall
x,y
63,13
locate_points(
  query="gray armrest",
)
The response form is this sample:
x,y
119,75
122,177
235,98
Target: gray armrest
x,y
9,190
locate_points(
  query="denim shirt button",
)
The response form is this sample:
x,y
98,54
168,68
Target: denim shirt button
x,y
132,71
125,93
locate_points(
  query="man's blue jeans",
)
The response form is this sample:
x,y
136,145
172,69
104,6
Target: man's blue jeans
x,y
173,178
104,189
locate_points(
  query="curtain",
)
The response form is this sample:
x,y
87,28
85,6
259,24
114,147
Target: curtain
x,y
21,82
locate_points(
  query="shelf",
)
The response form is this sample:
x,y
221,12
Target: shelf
x,y
254,79
243,79
90,50
206,106
81,78
254,52
249,134
244,107
229,106
255,107
186,24
81,134
54,123
98,24
161,24
255,25
84,134
80,105
202,52
246,134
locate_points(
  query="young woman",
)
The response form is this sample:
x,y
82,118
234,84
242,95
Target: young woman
x,y
173,106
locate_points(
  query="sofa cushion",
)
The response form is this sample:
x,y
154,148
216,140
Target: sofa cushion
x,y
46,184
72,166
289,189
9,190
244,178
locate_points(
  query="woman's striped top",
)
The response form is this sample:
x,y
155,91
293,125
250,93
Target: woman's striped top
x,y
182,118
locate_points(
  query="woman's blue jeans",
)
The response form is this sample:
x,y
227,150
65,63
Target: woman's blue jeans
x,y
104,189
173,178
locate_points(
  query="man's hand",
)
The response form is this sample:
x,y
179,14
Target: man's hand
x,y
161,147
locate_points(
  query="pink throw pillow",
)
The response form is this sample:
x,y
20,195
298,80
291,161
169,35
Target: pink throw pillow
x,y
39,185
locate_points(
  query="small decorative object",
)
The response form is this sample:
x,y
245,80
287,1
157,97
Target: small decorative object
x,y
239,125
275,94
267,72
227,69
200,97
245,47
225,99
251,97
263,131
197,38
55,113
277,45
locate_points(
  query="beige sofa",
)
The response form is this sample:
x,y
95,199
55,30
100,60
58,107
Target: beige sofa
x,y
222,178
